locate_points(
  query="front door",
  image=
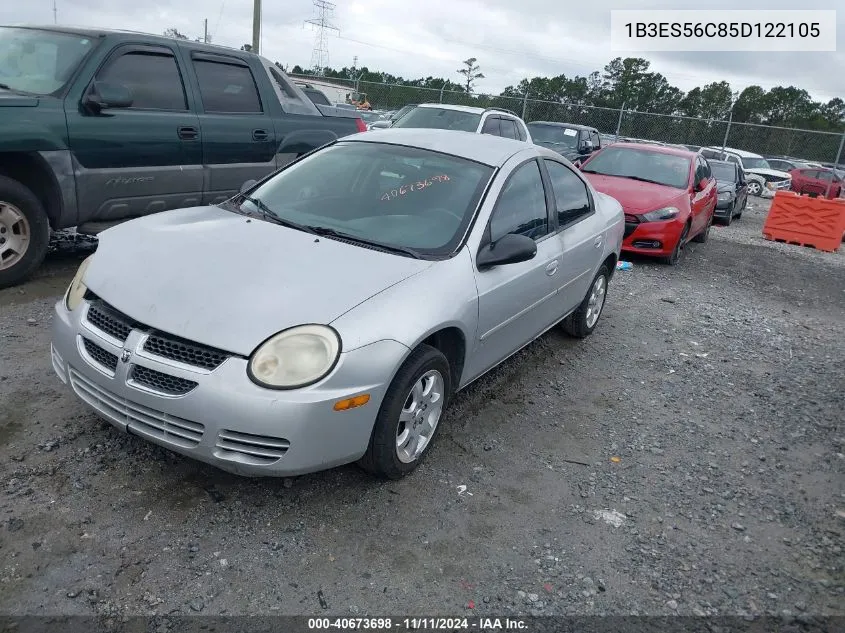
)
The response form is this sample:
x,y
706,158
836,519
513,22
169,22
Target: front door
x,y
239,137
141,159
515,301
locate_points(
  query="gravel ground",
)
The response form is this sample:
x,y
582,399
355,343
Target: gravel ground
x,y
687,458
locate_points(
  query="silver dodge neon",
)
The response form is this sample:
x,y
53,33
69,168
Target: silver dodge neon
x,y
328,313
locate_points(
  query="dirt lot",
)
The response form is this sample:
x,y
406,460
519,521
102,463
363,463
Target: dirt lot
x,y
719,386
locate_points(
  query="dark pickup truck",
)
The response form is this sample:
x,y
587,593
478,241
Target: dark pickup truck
x,y
98,127
576,143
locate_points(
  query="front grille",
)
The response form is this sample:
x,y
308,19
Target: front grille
x,y
143,420
111,321
114,323
101,356
161,382
631,224
184,351
254,449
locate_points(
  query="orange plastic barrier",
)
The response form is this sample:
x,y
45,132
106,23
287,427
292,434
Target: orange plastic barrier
x,y
806,221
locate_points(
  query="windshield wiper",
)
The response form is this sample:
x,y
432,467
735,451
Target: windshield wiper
x,y
268,214
324,230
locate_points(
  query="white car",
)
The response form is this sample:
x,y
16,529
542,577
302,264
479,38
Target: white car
x,y
762,179
442,116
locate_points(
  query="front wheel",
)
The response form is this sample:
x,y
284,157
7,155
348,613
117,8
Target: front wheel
x,y
24,232
705,232
583,321
754,188
677,253
409,415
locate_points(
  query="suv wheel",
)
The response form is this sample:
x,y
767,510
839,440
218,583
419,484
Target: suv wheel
x,y
24,232
754,188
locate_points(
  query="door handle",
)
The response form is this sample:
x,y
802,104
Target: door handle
x,y
187,133
551,268
259,135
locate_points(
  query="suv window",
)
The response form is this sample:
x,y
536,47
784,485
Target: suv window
x,y
227,88
708,173
508,128
491,126
153,78
827,176
700,169
521,131
571,199
594,138
521,207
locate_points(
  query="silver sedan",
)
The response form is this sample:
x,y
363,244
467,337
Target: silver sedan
x,y
328,313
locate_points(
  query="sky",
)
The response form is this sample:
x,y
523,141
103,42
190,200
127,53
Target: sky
x,y
511,40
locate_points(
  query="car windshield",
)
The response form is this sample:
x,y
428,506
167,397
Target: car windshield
x,y
553,134
39,62
401,112
755,163
392,195
641,164
369,117
441,119
723,171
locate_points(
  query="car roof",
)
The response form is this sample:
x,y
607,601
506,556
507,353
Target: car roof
x,y
739,152
449,106
574,126
482,148
658,149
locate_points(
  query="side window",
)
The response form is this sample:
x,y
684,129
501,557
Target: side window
x,y
827,176
708,173
227,88
154,80
508,128
699,170
521,207
491,126
521,131
733,159
571,197
594,138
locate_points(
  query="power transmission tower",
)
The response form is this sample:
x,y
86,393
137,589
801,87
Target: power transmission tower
x,y
322,21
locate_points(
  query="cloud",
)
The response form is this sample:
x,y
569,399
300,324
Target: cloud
x,y
511,40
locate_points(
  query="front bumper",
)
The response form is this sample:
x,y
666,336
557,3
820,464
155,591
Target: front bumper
x,y
651,238
723,208
224,419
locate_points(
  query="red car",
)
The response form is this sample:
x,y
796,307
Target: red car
x,y
815,181
668,195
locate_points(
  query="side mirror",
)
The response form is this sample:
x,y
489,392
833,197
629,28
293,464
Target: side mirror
x,y
510,249
249,184
106,94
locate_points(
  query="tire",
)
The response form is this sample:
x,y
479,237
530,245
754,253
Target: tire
x,y
584,320
677,253
702,236
730,218
754,188
382,458
24,232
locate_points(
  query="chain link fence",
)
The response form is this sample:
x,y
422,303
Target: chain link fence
x,y
623,123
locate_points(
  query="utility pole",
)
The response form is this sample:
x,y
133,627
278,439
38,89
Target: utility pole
x,y
320,52
205,32
256,26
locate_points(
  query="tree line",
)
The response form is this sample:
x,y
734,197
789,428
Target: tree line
x,y
631,83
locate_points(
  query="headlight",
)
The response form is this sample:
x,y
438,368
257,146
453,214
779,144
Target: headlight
x,y
666,213
726,195
76,291
296,357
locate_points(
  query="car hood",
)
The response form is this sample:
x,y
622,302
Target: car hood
x,y
635,195
228,281
769,172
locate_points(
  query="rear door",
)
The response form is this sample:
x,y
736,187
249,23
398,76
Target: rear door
x,y
578,229
238,135
145,158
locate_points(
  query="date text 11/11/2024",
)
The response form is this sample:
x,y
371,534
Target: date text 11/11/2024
x,y
418,624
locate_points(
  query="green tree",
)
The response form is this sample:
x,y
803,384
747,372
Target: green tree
x,y
471,72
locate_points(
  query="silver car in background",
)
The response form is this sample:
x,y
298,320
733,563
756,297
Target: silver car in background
x,y
329,313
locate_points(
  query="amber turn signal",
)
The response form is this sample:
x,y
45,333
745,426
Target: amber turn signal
x,y
351,403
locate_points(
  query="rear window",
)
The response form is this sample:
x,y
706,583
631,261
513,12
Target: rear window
x,y
441,119
723,171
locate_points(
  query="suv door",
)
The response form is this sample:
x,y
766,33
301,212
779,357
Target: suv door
x,y
141,159
515,301
239,137
579,231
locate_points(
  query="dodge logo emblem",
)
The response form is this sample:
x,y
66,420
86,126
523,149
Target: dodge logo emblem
x,y
124,355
